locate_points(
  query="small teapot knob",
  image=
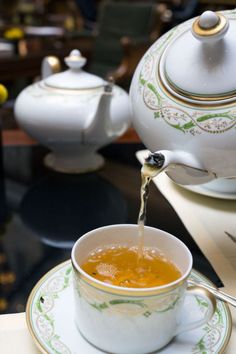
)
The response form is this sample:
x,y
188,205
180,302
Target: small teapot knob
x,y
75,60
208,19
210,26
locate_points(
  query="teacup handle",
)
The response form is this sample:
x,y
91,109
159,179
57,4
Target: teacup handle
x,y
209,298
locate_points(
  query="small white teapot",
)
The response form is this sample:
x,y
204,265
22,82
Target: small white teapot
x,y
73,113
183,97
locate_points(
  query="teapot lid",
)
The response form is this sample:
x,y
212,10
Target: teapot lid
x,y
200,64
75,78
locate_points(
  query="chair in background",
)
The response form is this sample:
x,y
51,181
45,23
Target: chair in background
x,y
125,31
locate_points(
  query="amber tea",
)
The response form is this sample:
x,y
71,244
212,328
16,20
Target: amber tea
x,y
134,267
121,266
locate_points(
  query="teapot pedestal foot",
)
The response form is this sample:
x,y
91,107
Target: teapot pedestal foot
x,y
74,164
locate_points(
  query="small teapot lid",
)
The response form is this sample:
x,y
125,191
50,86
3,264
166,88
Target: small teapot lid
x,y
201,64
75,78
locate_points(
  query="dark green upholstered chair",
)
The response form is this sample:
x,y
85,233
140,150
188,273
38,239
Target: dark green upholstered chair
x,y
126,30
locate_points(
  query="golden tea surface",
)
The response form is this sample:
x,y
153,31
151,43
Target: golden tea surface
x,y
122,266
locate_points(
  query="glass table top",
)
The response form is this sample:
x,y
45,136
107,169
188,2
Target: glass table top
x,y
42,213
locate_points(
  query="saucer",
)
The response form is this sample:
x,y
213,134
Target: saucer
x,y
203,190
50,313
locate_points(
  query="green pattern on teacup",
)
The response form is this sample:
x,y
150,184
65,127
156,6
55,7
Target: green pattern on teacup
x,y
110,303
141,307
191,121
49,292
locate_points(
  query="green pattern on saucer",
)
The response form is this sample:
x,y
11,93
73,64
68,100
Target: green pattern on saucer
x,y
50,308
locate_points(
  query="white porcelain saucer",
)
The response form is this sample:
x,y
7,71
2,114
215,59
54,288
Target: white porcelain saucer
x,y
203,190
50,321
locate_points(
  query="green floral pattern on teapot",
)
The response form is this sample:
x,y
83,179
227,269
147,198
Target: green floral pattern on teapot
x,y
175,113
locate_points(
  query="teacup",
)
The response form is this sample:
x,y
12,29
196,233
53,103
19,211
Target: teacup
x,y
134,320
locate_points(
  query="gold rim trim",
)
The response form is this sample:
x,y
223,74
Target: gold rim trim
x,y
210,32
227,310
61,265
122,291
70,91
198,100
198,97
30,300
217,100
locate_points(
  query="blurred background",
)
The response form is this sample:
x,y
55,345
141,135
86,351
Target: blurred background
x,y
113,36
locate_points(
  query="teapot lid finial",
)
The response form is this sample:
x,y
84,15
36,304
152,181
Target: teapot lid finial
x,y
205,73
210,26
75,60
75,78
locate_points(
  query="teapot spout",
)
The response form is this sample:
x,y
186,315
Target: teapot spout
x,y
182,167
100,126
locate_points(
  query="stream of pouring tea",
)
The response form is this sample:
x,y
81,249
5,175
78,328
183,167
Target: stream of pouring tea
x,y
149,170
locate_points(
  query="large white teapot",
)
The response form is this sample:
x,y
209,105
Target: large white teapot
x,y
183,98
73,113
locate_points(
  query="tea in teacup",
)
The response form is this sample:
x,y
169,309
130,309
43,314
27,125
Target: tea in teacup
x,y
132,318
122,266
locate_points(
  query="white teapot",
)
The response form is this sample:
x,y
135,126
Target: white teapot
x,y
73,113
183,97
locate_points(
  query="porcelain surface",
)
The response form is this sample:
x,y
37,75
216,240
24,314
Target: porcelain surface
x,y
185,101
73,114
50,318
146,319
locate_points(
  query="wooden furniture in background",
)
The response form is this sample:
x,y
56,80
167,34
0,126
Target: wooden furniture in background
x,y
125,31
19,137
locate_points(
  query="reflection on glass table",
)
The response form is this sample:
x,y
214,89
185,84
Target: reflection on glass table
x,y
68,206
45,212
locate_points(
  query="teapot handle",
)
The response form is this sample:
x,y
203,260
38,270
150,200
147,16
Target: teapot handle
x,y
50,65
